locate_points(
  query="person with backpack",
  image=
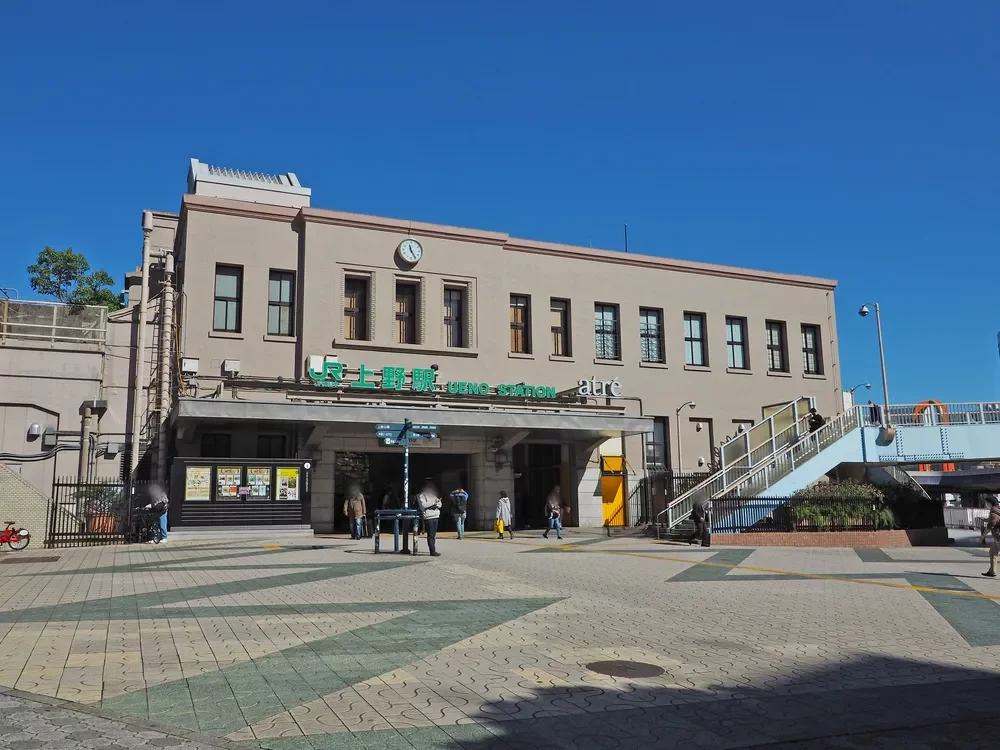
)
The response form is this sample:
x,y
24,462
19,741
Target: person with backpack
x,y
459,505
355,510
992,525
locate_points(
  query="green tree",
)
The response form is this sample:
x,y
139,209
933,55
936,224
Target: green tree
x,y
66,275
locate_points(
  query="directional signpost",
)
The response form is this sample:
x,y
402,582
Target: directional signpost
x,y
402,435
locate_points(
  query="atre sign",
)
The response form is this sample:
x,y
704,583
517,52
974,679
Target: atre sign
x,y
604,388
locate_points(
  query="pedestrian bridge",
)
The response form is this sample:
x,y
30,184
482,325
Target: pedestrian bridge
x,y
780,456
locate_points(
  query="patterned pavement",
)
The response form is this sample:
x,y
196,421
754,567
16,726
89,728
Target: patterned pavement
x,y
248,644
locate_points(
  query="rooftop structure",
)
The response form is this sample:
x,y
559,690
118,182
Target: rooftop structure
x,y
242,185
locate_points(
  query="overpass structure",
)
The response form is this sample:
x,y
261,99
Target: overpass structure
x,y
780,456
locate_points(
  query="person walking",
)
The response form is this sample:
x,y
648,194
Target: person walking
x,y
699,513
815,420
992,525
505,517
554,509
354,509
459,506
430,508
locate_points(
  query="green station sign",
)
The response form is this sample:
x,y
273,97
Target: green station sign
x,y
331,374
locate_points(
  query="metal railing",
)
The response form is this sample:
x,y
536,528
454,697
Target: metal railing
x,y
785,514
91,513
54,322
930,414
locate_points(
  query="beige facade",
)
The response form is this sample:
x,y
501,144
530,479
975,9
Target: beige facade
x,y
253,383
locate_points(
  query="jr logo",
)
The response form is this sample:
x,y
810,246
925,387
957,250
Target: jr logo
x,y
331,375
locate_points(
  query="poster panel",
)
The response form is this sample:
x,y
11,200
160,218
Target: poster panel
x,y
227,482
198,483
288,483
259,481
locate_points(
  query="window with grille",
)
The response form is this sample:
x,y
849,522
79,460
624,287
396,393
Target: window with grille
x,y
736,343
454,317
656,444
560,328
812,357
356,308
271,446
777,348
228,314
280,303
520,324
606,332
651,335
695,341
406,312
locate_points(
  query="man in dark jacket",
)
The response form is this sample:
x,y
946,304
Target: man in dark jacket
x,y
698,515
992,525
815,420
459,506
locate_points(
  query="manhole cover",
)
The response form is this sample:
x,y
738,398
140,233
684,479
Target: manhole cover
x,y
625,668
16,560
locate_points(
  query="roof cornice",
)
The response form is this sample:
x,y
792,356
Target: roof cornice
x,y
441,231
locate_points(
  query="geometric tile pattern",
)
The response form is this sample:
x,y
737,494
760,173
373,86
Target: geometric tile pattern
x,y
304,647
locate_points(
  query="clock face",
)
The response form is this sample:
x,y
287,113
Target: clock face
x,y
410,251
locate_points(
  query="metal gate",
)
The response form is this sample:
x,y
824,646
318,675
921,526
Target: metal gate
x,y
92,513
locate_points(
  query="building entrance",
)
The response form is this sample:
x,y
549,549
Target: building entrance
x,y
380,478
538,468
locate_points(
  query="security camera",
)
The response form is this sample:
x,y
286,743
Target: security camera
x,y
435,368
863,312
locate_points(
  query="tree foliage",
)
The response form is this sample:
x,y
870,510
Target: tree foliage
x,y
65,275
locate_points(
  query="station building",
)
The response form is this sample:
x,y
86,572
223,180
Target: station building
x,y
288,334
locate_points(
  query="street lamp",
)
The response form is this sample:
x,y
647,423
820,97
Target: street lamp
x,y
680,453
863,312
867,386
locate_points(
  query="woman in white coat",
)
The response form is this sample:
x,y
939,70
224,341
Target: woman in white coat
x,y
505,515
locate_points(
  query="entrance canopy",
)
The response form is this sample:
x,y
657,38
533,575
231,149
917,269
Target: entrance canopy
x,y
562,425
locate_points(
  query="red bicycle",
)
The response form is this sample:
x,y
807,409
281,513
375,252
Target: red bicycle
x,y
16,539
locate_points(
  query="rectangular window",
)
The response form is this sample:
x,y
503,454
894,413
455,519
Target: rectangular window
x,y
606,332
355,308
656,444
271,446
454,317
520,324
651,335
406,312
812,353
228,315
736,343
280,303
560,327
695,341
216,445
777,349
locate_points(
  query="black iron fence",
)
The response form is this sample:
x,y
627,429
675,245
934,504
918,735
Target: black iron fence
x,y
765,514
91,513
651,494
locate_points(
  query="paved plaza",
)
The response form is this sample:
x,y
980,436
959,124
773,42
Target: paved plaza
x,y
264,643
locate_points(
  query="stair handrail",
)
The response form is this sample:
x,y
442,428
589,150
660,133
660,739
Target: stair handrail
x,y
793,430
813,437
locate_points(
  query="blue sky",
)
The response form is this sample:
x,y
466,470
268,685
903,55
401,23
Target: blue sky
x,y
852,140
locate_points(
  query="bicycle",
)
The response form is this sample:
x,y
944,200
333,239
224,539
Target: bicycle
x,y
16,539
148,526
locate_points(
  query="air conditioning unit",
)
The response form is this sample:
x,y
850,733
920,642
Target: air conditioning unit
x,y
189,366
231,367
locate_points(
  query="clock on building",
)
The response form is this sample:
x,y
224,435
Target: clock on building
x,y
410,251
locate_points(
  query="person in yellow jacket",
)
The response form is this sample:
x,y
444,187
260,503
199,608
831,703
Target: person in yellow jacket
x,y
505,516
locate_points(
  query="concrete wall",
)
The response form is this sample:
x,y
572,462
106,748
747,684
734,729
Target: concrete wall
x,y
24,504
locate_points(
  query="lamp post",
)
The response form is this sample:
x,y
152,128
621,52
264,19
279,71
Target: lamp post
x,y
680,452
863,312
859,385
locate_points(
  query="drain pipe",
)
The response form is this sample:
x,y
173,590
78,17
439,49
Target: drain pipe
x,y
166,351
140,352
